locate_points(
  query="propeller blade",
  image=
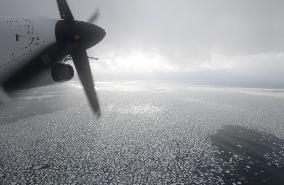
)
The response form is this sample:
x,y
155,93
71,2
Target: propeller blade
x,y
64,10
94,58
81,62
66,59
94,17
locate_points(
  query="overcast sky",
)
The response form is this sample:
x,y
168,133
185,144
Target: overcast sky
x,y
219,41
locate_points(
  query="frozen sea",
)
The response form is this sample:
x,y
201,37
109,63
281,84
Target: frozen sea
x,y
149,133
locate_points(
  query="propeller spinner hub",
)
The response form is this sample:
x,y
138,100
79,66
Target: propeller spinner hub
x,y
81,34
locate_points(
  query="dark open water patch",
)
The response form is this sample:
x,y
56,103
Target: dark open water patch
x,y
249,156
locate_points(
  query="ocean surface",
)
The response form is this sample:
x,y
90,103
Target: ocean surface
x,y
149,133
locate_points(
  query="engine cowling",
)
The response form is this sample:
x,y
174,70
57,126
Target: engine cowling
x,y
62,72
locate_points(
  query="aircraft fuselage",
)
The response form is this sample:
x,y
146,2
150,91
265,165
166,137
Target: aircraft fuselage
x,y
23,39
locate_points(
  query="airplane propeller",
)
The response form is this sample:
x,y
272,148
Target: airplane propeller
x,y
80,36
94,17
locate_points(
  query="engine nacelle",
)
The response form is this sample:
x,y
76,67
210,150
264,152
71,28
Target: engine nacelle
x,y
62,72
